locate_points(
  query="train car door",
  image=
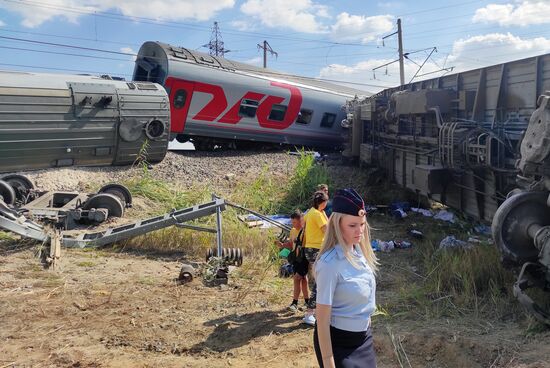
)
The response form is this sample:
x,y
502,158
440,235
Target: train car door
x,y
181,92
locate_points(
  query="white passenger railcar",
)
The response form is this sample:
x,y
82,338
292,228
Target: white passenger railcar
x,y
216,101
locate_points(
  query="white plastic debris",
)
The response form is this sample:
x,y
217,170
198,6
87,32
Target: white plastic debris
x,y
422,211
445,215
451,242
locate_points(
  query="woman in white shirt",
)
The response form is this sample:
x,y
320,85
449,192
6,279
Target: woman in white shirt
x,y
345,287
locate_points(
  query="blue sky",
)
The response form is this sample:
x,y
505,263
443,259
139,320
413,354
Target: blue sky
x,y
330,40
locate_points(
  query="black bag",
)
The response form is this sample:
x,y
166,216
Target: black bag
x,y
297,254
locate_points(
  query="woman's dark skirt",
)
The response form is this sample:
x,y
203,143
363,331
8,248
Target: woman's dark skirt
x,y
350,349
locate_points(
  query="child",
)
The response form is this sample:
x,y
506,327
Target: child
x,y
315,224
298,260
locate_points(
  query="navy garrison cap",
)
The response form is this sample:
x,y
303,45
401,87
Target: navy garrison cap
x,y
348,201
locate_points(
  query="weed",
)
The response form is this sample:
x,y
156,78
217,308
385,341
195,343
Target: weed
x,y
147,280
4,236
86,264
303,183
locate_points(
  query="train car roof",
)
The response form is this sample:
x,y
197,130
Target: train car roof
x,y
23,79
183,54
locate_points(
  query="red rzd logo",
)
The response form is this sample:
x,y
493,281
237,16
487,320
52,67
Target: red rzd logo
x,y
218,104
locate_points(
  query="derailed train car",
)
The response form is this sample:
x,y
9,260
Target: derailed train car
x,y
477,141
219,102
52,120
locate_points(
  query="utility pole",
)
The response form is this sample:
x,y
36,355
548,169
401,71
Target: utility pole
x,y
267,47
401,58
216,45
402,55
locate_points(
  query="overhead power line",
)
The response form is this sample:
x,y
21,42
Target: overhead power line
x,y
63,69
276,74
171,24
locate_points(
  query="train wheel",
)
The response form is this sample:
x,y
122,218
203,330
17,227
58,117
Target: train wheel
x,y
108,201
511,221
21,186
120,191
182,138
203,145
7,193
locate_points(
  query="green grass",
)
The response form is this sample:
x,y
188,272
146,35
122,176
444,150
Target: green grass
x,y
303,183
165,195
5,236
454,282
267,194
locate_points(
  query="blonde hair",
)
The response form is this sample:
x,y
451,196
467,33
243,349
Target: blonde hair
x,y
333,236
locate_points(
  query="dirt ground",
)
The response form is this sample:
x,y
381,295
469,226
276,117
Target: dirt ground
x,y
123,308
112,308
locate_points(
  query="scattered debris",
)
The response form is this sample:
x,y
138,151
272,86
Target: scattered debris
x,y
215,272
402,244
399,213
483,229
422,211
387,246
445,215
416,234
474,240
250,223
451,242
399,209
186,274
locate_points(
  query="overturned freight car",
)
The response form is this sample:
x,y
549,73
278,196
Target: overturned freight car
x,y
53,120
478,141
453,138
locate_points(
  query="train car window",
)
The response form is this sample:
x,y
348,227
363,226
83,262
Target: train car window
x,y
180,98
304,117
328,120
248,108
277,113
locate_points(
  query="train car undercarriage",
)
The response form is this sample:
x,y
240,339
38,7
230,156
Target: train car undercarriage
x,y
479,142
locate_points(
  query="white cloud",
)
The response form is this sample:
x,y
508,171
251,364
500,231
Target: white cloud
x,y
71,10
466,54
495,48
309,17
256,61
243,25
359,27
362,76
391,4
522,13
298,15
129,50
2,24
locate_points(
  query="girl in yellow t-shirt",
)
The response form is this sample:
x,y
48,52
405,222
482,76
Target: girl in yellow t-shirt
x,y
315,226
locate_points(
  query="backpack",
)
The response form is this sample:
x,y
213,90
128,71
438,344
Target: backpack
x,y
297,254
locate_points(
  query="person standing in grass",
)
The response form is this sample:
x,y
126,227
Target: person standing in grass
x,y
315,225
345,287
298,260
324,188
